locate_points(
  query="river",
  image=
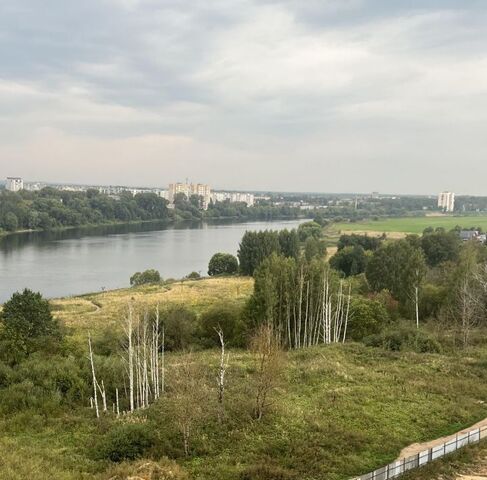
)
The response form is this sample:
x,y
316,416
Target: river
x,y
76,261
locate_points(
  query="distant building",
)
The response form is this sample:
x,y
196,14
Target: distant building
x,y
446,201
14,184
234,197
190,189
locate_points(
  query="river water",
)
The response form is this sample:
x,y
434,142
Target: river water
x,y
76,261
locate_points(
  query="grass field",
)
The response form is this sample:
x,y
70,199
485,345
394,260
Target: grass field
x,y
101,310
406,225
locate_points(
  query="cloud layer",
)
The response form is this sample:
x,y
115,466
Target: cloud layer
x,y
329,95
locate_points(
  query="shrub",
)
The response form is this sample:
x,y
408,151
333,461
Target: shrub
x,y
126,442
222,264
179,326
28,326
405,337
193,276
228,318
142,278
367,317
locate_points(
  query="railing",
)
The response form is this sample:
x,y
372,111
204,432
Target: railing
x,y
397,468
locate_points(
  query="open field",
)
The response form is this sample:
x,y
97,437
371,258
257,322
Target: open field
x,y
100,310
405,225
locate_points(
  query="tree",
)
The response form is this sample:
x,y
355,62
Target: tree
x,y
309,229
223,264
224,317
10,222
269,363
28,323
255,247
314,247
364,241
289,243
440,247
141,278
350,260
367,317
399,267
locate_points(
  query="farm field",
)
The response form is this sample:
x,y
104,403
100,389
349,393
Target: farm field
x,y
404,225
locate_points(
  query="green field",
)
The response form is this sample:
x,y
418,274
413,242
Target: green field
x,y
412,224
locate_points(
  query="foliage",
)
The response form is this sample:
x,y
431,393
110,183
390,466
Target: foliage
x,y
179,326
51,208
309,229
255,247
396,266
365,241
404,337
222,264
125,442
142,278
440,246
367,317
350,260
193,276
314,247
224,316
27,324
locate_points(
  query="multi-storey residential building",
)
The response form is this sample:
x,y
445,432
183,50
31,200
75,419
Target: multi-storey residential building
x,y
14,184
232,197
189,189
446,201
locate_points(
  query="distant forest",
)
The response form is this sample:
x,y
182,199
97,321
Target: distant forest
x,y
51,208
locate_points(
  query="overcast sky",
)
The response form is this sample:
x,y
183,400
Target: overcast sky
x,y
296,95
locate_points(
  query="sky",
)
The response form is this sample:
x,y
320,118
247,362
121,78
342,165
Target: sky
x,y
291,95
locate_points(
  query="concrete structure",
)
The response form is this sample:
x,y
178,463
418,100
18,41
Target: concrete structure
x,y
446,201
14,184
233,197
190,189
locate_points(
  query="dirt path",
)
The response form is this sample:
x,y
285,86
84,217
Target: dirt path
x,y
416,448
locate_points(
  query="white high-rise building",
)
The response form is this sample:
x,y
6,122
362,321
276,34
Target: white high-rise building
x,y
189,189
14,184
446,201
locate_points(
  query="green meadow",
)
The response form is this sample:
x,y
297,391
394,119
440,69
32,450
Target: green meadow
x,y
406,225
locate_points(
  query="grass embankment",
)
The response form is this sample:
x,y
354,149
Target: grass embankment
x,y
338,411
405,225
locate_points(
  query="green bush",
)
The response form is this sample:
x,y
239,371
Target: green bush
x,y
126,442
367,317
223,264
142,278
179,326
193,276
227,317
404,337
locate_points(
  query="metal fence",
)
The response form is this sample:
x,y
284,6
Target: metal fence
x,y
397,468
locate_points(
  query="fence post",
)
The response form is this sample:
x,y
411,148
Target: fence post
x,y
387,471
456,442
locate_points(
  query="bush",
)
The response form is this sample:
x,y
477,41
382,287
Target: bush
x,y
228,318
405,337
367,317
179,326
223,264
126,442
28,326
193,276
142,278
